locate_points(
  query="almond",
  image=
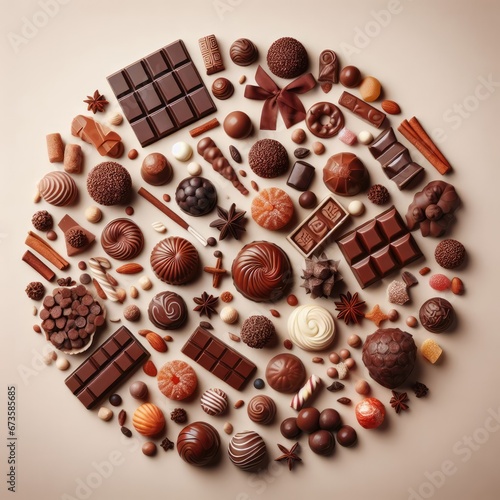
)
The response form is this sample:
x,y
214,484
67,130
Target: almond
x,y
156,342
149,368
130,268
391,107
457,286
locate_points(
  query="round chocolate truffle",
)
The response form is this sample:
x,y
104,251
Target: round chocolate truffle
x,y
167,311
308,199
329,419
109,184
378,194
308,420
243,52
285,373
257,331
436,315
261,409
175,260
344,174
389,354
58,189
268,158
287,58
138,390
322,442
122,239
214,401
198,444
237,125
42,220
346,436
196,196
222,88
247,450
156,169
350,76
289,428
262,271
450,254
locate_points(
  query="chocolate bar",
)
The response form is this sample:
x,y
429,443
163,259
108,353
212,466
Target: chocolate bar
x,y
107,367
161,93
211,54
313,231
361,108
378,247
218,358
395,159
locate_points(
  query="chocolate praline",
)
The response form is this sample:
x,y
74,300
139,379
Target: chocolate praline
x,y
261,409
198,444
329,419
167,311
257,331
450,254
237,125
268,158
109,183
243,52
262,271
350,76
289,428
322,442
156,169
346,436
285,373
287,58
436,315
344,174
247,451
175,260
308,420
139,390
308,199
122,239
222,88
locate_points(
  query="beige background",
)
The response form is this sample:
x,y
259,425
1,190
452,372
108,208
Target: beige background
x,y
431,57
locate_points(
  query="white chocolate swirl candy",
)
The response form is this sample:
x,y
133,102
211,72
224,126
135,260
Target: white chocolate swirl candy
x,y
247,450
311,327
58,188
214,401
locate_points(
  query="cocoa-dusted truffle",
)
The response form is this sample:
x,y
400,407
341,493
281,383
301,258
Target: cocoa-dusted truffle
x,y
35,290
257,331
450,254
76,237
268,158
42,220
109,184
378,194
287,58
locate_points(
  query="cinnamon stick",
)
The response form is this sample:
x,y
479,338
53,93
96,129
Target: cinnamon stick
x,y
40,246
44,271
419,130
406,130
204,127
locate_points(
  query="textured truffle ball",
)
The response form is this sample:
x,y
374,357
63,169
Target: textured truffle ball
x,y
268,158
35,290
257,331
109,184
76,237
389,354
42,220
378,194
436,315
287,58
450,254
196,196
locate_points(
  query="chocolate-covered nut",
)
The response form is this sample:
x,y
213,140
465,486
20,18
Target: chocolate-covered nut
x,y
156,169
308,199
346,436
350,76
289,428
329,419
149,448
237,125
222,88
322,442
243,52
115,399
308,420
139,390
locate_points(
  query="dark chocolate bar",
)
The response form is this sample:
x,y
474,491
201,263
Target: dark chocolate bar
x,y
362,109
161,93
218,358
107,367
395,159
378,247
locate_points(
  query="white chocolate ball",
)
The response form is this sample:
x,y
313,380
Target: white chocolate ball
x,y
93,214
365,137
182,151
356,208
194,168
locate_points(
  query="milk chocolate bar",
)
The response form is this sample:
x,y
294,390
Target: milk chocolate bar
x,y
362,109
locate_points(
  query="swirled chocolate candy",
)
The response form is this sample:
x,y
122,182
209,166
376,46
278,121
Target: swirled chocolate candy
x,y
167,311
345,174
436,315
261,409
243,52
285,373
262,271
198,444
175,260
122,239
247,450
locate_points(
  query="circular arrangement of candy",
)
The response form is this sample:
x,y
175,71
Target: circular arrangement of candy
x,y
161,94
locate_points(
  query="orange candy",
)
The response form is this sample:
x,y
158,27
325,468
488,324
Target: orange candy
x,y
272,208
177,380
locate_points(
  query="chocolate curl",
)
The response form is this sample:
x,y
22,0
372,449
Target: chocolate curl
x,y
285,100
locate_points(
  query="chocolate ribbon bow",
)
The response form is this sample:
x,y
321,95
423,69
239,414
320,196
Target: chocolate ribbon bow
x,y
285,100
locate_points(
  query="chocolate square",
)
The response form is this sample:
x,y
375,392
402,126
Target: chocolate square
x,y
301,176
157,64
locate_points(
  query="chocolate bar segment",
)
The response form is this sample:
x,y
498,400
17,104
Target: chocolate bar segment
x,y
362,109
212,57
395,159
107,367
161,93
218,358
378,247
313,231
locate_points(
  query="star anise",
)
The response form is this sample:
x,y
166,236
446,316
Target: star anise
x,y
289,455
96,103
350,308
230,222
420,389
398,401
206,304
